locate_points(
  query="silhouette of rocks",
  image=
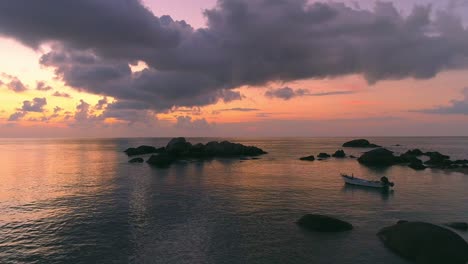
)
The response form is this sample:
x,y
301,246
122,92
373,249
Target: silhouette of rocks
x,y
142,150
425,243
360,143
136,160
417,165
180,148
414,152
322,223
323,155
339,154
378,157
308,158
458,225
162,160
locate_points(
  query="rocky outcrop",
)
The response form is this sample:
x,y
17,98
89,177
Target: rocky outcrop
x,y
339,154
142,150
414,152
378,157
162,160
425,243
322,223
308,158
360,143
458,225
136,160
323,156
180,148
417,165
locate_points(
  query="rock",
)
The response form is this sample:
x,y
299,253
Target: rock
x,y
458,225
378,157
308,158
178,147
360,143
438,160
323,155
414,152
353,157
142,150
322,223
228,149
417,165
401,222
461,162
162,160
425,243
339,154
136,160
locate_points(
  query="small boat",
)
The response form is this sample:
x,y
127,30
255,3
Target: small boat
x,y
383,183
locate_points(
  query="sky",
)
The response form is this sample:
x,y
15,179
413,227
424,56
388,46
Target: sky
x,y
158,68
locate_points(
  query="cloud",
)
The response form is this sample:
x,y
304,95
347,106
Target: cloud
x,y
187,123
286,93
13,83
36,105
42,86
17,116
245,42
59,94
456,107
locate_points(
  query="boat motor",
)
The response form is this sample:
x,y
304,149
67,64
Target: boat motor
x,y
386,182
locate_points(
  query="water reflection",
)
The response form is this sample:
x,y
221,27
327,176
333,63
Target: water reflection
x,y
384,193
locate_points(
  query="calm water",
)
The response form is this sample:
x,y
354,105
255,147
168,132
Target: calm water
x,y
79,201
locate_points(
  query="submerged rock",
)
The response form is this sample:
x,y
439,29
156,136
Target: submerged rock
x,y
308,158
378,157
425,243
360,143
417,165
458,225
323,155
339,154
322,223
136,160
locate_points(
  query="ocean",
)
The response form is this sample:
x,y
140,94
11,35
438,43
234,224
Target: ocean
x,y
80,201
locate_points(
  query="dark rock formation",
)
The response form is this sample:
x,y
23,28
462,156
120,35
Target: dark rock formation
x,y
323,155
360,143
136,160
142,150
461,162
179,148
308,158
414,152
417,165
425,243
353,157
339,154
162,160
378,157
458,225
322,223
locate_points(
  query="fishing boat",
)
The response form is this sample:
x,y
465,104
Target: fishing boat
x,y
383,183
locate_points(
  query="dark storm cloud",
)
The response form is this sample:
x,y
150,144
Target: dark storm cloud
x,y
459,107
246,42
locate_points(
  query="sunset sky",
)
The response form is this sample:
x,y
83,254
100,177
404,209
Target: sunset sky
x,y
119,68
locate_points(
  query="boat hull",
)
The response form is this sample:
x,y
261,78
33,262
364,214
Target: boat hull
x,y
365,183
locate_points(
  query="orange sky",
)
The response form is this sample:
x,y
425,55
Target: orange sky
x,y
386,100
